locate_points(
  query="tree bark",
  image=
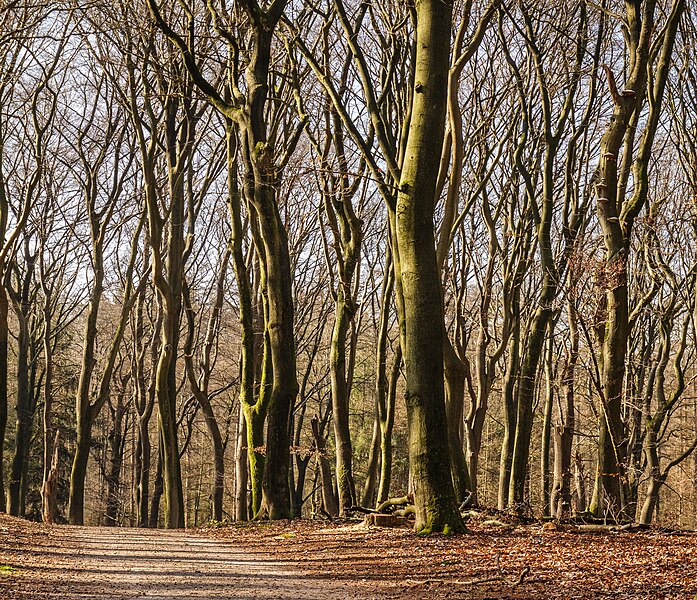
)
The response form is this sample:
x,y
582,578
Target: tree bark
x,y
329,499
429,456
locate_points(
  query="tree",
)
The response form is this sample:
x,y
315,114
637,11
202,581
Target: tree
x,y
647,73
262,170
418,270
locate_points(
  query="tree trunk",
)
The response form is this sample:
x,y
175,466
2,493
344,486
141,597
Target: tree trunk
x,y
79,470
386,427
241,470
547,430
25,416
340,404
49,489
154,516
580,483
534,349
656,479
279,328
329,499
564,432
4,308
116,449
429,457
509,415
454,372
143,453
372,470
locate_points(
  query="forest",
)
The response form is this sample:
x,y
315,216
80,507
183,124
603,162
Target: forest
x,y
268,260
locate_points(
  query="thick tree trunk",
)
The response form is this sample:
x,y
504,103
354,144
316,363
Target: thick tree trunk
x,y
609,496
429,456
279,329
647,74
166,391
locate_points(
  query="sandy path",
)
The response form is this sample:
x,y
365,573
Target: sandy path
x,y
91,562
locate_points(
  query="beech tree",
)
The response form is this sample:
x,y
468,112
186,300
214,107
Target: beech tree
x,y
618,208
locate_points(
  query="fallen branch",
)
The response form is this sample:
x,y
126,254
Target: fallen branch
x,y
392,502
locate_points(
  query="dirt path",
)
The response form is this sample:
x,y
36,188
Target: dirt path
x,y
81,562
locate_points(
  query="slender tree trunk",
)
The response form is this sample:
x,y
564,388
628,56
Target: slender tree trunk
x,y
154,516
241,470
340,405
580,484
143,454
4,308
372,470
656,479
49,489
329,499
564,432
547,428
116,449
454,372
25,416
384,392
509,415
534,349
386,428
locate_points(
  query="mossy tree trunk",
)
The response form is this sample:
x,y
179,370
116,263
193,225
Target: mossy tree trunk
x,y
262,172
429,455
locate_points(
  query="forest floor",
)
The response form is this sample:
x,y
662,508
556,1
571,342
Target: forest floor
x,y
300,559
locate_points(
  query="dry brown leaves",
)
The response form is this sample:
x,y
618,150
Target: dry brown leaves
x,y
485,563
